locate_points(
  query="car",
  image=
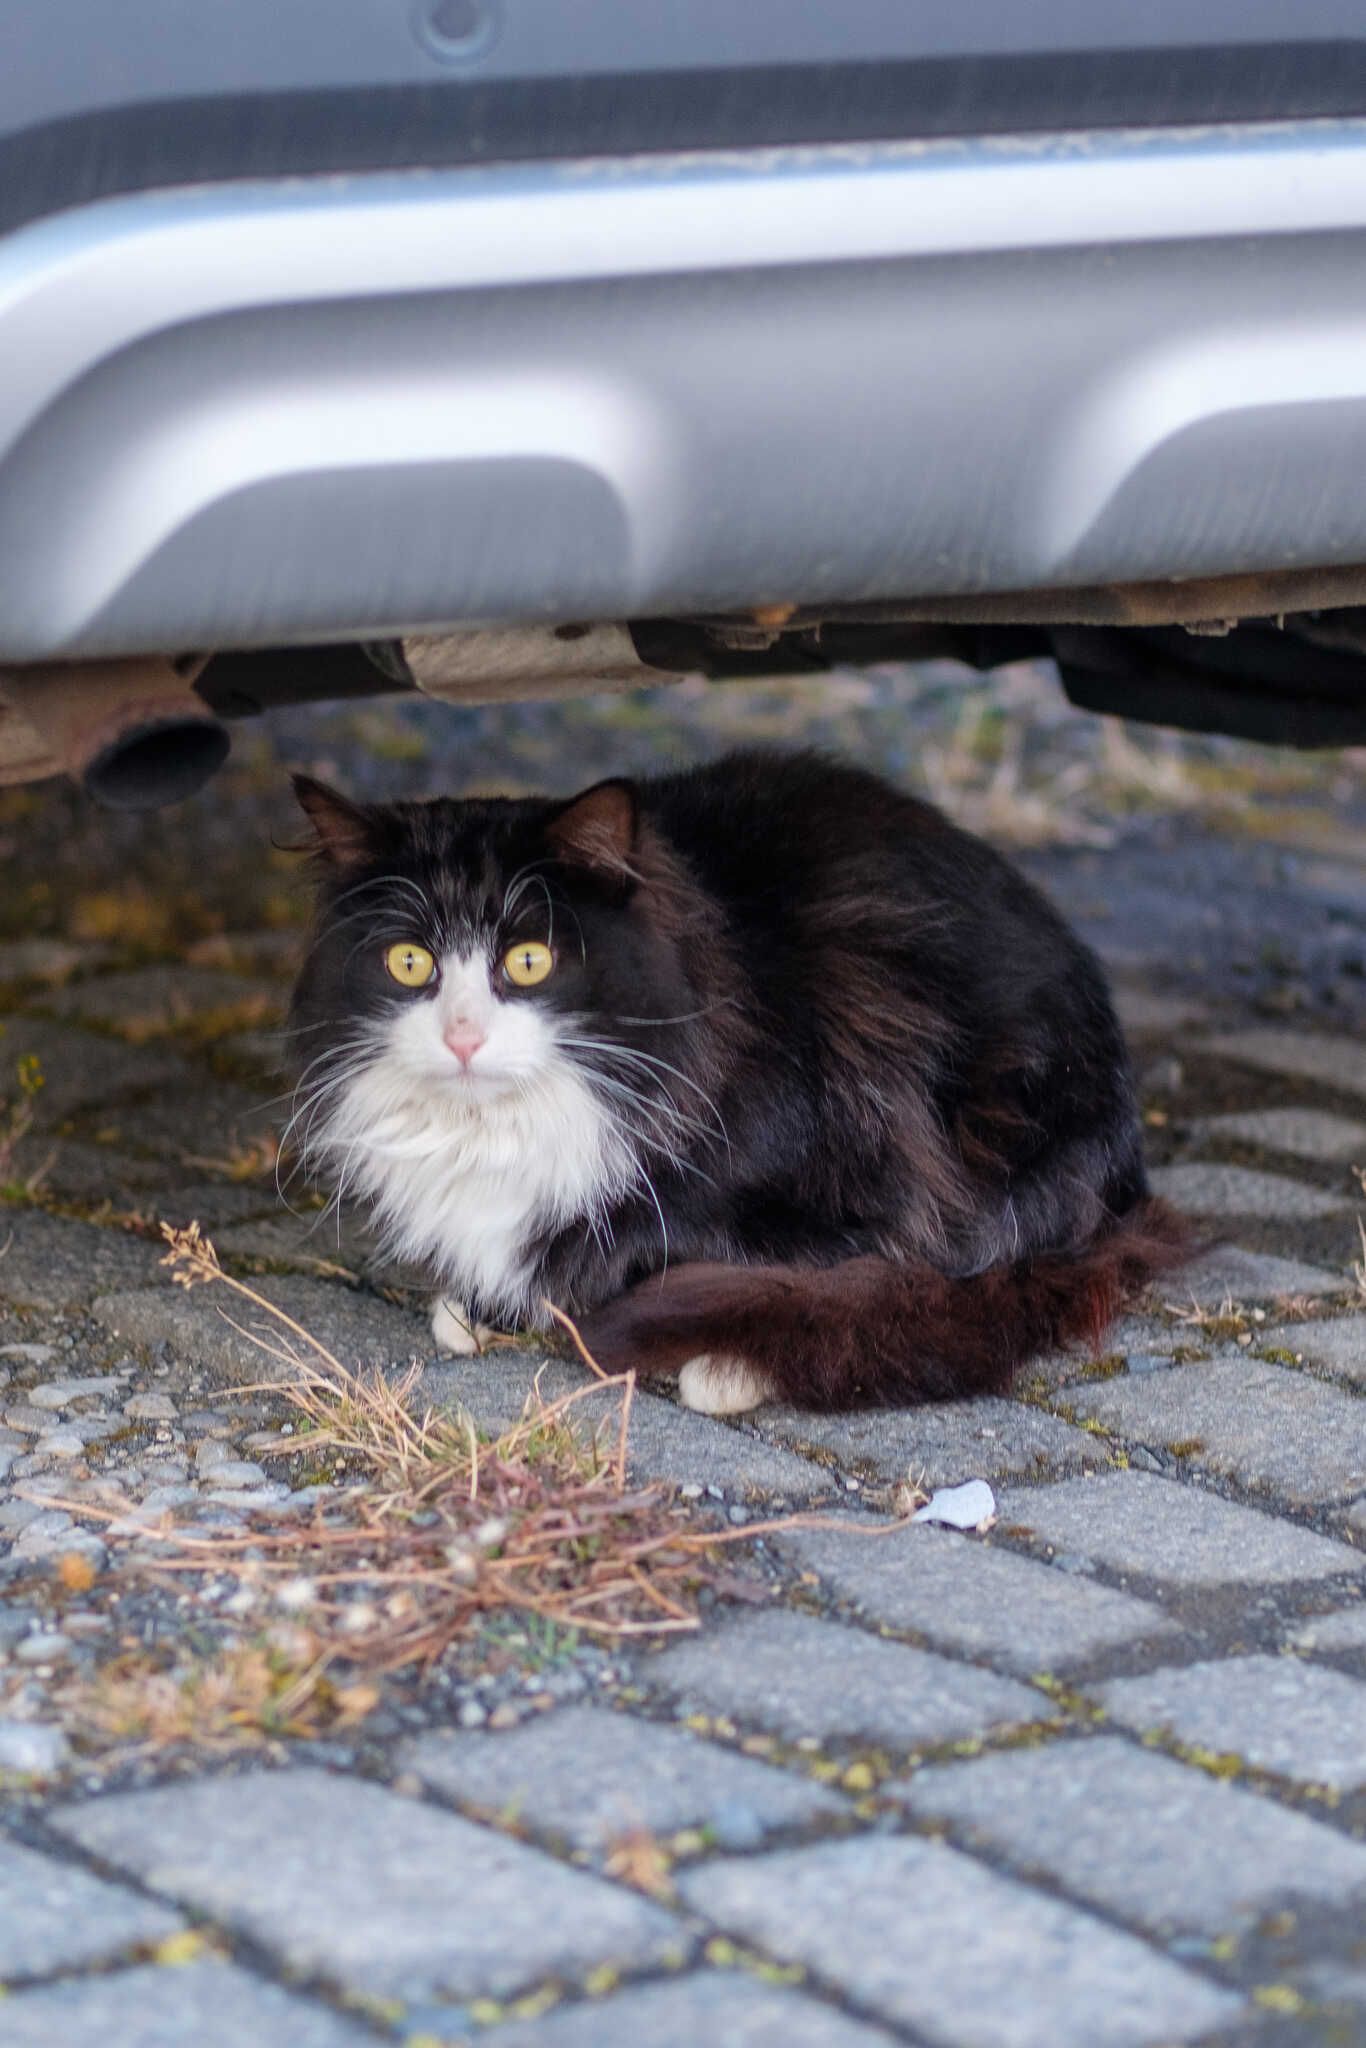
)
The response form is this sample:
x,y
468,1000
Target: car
x,y
504,347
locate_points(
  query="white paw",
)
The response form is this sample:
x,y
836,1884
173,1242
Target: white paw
x,y
455,1334
716,1385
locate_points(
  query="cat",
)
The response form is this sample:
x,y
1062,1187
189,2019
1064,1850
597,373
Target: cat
x,y
764,1072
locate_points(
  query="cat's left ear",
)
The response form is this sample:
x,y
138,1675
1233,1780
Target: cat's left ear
x,y
344,832
597,832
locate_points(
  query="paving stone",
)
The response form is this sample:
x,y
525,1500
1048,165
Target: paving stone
x,y
1306,1133
1276,1713
940,1444
49,961
55,1917
196,1119
1146,1015
1161,1529
358,1328
211,2004
51,1262
962,1955
1156,1841
1212,1190
1345,1630
97,1173
31,1749
1264,1425
1227,1272
82,1069
972,1596
667,1442
625,1774
61,1393
338,1877
797,1676
146,1002
1338,1346
1337,1062
716,2005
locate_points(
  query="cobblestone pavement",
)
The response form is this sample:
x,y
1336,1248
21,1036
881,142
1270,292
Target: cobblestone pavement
x,y
1094,1778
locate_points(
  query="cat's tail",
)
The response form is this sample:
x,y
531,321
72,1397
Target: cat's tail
x,y
875,1332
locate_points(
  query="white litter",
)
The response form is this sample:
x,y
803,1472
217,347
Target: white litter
x,y
970,1506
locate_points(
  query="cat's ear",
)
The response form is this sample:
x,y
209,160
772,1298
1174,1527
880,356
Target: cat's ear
x,y
343,832
597,831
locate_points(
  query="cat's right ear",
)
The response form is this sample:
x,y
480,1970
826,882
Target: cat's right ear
x,y
343,832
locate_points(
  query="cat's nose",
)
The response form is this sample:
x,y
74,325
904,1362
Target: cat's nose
x,y
464,1040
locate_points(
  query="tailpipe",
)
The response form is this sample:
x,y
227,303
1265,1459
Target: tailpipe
x,y
134,734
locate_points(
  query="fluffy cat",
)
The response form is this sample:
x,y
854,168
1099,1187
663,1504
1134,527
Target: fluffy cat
x,y
765,1072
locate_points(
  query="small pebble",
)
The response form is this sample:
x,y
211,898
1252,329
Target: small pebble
x,y
60,1393
150,1408
30,1748
60,1443
472,1715
45,1647
235,1472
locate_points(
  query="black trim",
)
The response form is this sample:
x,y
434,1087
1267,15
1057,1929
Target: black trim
x,y
112,151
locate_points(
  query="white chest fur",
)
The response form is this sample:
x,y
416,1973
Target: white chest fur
x,y
465,1186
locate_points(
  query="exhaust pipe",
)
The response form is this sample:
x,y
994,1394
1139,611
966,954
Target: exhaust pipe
x,y
134,734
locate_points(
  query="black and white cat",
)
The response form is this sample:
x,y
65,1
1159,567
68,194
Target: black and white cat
x,y
764,1072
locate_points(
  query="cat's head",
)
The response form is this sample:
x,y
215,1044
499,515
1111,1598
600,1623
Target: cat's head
x,y
476,944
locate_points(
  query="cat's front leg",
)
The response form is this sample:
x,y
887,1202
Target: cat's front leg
x,y
455,1330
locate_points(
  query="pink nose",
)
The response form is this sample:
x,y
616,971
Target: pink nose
x,y
464,1040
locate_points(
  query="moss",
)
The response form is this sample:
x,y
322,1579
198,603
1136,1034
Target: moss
x,y
1187,1447
1106,1368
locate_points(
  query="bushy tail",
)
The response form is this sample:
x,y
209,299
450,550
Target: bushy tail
x,y
872,1332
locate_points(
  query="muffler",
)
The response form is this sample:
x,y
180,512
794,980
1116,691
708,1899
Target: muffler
x,y
134,734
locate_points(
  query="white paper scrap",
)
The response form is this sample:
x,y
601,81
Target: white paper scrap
x,y
970,1506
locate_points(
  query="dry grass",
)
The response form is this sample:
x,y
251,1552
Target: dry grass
x,y
444,1527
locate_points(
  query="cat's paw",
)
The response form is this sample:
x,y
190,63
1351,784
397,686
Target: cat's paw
x,y
716,1385
455,1332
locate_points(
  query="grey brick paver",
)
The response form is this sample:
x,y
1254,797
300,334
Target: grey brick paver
x,y
1263,1425
922,1935
592,1775
1136,1522
82,1070
359,1328
1301,1720
1154,1840
717,2006
1306,1133
53,1262
196,2005
56,1917
1227,1271
941,1444
338,1877
144,1002
795,1675
1343,1631
1308,1056
1337,1346
972,1596
1210,1190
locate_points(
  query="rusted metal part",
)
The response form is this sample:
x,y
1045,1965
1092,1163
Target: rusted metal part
x,y
520,662
134,733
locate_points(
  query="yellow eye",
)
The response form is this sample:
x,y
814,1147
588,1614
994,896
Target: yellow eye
x,y
527,964
411,965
